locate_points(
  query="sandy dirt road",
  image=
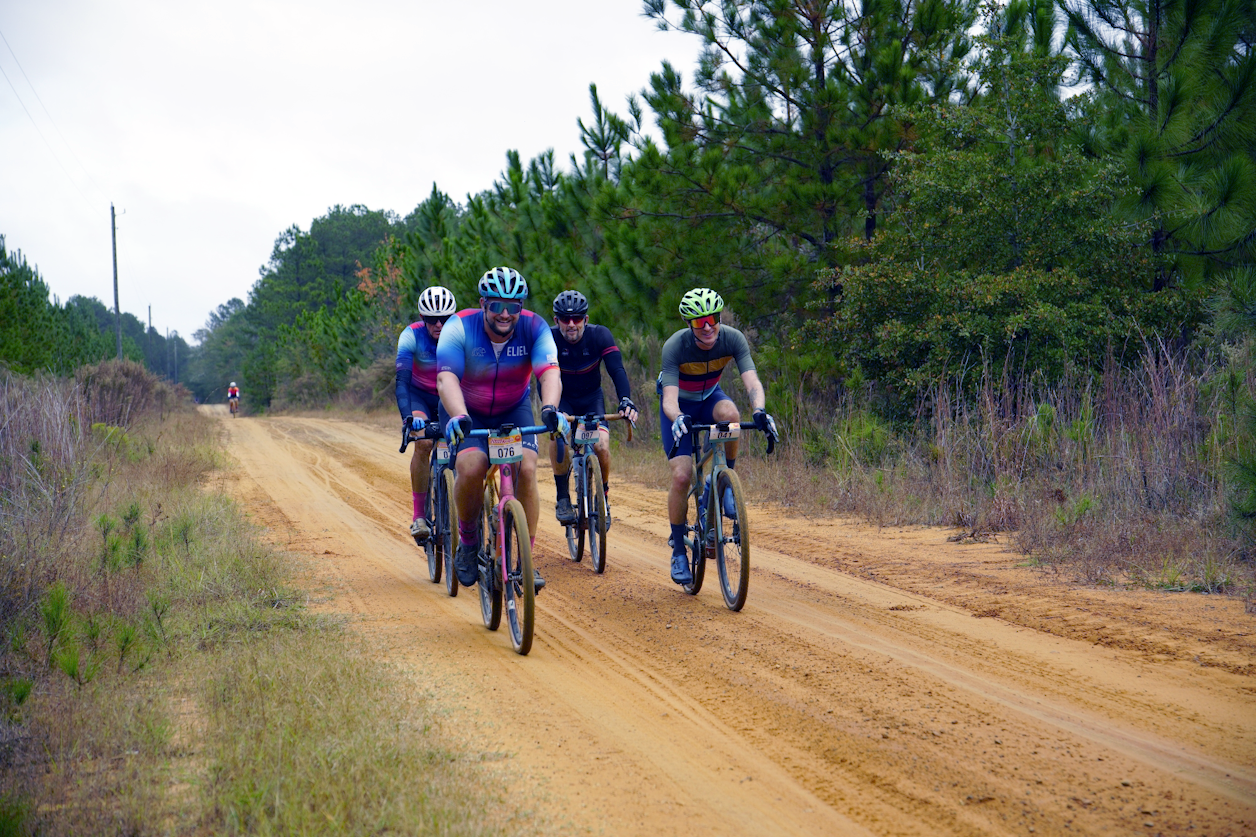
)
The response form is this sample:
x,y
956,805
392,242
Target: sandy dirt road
x,y
877,682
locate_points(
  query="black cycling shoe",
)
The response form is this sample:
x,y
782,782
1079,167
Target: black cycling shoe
x,y
467,563
565,512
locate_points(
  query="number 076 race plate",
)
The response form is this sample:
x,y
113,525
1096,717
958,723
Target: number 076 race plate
x,y
505,448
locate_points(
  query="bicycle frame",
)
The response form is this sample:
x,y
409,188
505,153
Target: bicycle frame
x,y
592,514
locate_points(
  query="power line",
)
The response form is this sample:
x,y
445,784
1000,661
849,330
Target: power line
x,y
51,121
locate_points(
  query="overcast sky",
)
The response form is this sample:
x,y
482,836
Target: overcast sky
x,y
213,127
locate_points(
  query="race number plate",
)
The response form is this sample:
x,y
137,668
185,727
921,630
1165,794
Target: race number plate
x,y
442,452
503,449
733,432
586,433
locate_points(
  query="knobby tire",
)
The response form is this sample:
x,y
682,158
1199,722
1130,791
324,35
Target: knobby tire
x,y
697,558
434,548
450,535
575,531
519,584
595,502
732,558
490,584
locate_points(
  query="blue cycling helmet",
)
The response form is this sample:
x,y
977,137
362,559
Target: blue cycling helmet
x,y
503,283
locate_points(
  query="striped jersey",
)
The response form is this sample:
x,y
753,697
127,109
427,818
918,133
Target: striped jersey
x,y
495,376
697,371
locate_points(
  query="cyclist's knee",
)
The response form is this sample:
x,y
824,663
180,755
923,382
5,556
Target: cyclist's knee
x,y
726,411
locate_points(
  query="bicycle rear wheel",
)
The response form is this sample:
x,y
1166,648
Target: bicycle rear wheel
x,y
697,560
518,582
433,546
575,531
595,502
490,571
732,540
450,535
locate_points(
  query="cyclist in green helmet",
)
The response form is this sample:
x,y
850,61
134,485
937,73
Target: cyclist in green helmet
x,y
694,358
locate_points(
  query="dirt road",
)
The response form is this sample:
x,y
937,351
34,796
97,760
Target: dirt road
x,y
877,682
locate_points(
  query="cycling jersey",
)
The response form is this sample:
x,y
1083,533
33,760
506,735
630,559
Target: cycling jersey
x,y
697,371
495,376
233,392
416,370
580,362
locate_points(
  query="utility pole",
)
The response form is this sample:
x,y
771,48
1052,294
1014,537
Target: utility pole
x,y
117,309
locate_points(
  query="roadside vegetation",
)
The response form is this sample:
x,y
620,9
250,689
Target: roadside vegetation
x,y
159,671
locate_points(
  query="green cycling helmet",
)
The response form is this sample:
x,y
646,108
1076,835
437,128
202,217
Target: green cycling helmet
x,y
700,302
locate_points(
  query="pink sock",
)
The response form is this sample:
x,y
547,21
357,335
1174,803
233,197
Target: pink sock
x,y
420,501
532,543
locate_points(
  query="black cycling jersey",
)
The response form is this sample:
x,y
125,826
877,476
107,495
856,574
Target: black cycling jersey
x,y
580,362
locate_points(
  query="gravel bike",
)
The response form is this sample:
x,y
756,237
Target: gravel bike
x,y
592,515
233,404
713,530
506,576
438,511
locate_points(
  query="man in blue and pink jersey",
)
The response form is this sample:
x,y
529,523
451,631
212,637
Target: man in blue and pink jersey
x,y
486,358
416,392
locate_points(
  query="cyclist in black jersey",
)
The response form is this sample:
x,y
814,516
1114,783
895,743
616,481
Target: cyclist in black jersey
x,y
582,349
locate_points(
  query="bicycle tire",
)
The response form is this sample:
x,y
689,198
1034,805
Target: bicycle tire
x,y
595,501
450,535
732,552
433,547
697,561
490,586
518,582
575,531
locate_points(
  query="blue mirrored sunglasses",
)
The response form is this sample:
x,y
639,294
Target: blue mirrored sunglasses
x,y
503,306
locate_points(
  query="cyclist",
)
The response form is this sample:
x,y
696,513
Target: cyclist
x,y
233,397
486,359
416,391
582,349
694,358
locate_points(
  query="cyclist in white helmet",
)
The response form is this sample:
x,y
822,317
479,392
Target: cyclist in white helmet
x,y
416,391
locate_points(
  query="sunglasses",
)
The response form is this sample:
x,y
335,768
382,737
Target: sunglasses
x,y
569,320
435,320
702,322
502,306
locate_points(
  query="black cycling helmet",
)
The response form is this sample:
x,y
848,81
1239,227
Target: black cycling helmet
x,y
571,304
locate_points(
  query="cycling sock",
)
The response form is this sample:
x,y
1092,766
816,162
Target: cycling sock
x,y
532,542
560,482
467,531
732,462
678,539
420,502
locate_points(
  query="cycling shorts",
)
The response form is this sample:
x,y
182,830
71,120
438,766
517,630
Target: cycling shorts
x,y
700,412
425,402
579,405
520,416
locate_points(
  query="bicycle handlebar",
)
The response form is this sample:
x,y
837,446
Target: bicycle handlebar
x,y
592,417
694,429
431,430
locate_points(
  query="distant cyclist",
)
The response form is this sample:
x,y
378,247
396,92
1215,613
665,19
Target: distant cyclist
x,y
582,349
694,358
233,397
416,391
486,358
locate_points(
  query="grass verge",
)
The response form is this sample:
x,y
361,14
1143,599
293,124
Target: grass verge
x,y
160,673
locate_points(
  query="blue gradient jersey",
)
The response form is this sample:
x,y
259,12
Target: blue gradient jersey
x,y
416,370
495,377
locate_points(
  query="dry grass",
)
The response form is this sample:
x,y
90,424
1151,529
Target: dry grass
x,y
160,675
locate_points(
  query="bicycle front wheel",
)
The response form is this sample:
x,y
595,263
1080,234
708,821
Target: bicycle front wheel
x,y
490,571
575,531
732,539
518,582
697,555
434,547
449,537
595,502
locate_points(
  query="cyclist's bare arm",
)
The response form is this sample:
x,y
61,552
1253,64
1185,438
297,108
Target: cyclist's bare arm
x,y
671,402
449,389
551,381
754,389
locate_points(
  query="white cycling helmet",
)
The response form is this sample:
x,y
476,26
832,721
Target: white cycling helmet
x,y
437,302
233,383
